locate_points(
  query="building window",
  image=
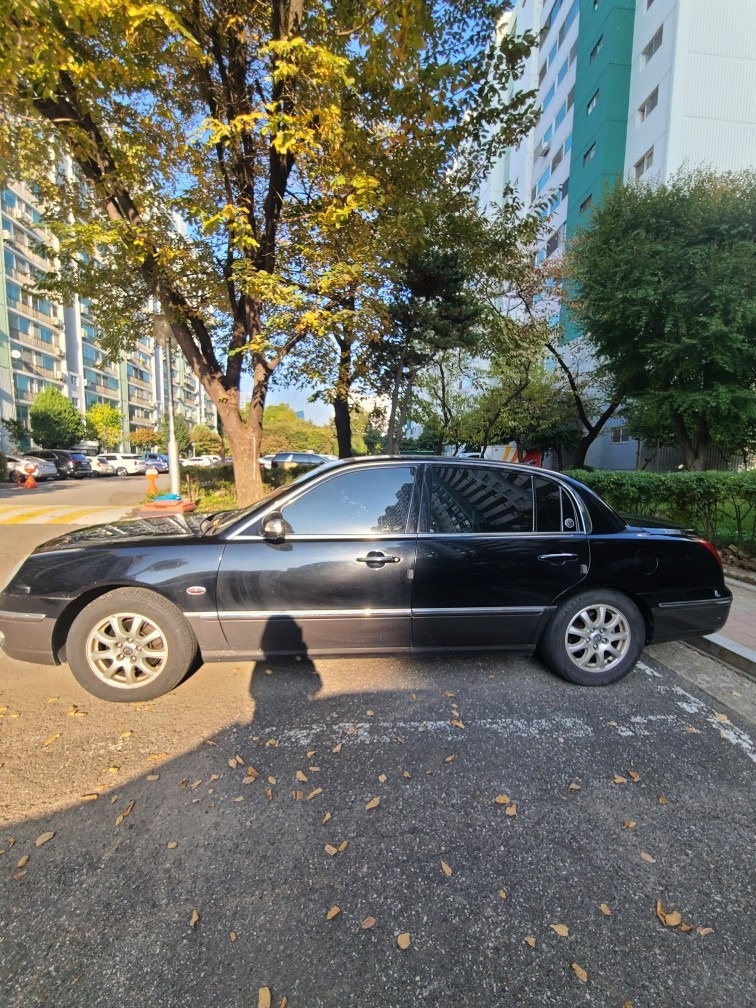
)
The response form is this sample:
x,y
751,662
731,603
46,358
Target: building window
x,y
649,3
573,52
541,185
557,159
586,204
562,72
592,103
596,49
645,162
620,435
589,154
648,105
653,46
564,188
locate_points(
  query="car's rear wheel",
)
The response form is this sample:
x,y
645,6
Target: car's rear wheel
x,y
130,644
594,638
120,471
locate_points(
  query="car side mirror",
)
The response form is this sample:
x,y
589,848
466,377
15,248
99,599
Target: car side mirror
x,y
274,527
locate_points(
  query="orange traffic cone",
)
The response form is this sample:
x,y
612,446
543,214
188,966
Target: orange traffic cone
x,y
31,483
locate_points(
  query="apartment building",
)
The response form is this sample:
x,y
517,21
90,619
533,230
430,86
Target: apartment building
x,y
43,343
628,89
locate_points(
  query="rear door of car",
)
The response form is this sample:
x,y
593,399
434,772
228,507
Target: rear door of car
x,y
497,546
341,577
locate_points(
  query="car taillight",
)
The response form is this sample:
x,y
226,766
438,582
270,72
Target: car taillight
x,y
712,549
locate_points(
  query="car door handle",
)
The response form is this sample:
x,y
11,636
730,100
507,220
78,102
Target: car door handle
x,y
557,556
378,559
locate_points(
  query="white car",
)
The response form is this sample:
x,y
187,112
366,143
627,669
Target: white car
x,y
198,460
124,464
42,469
101,466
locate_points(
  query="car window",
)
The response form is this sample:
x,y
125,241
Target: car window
x,y
366,502
555,511
479,500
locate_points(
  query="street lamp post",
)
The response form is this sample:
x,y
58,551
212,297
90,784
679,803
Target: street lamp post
x,y
163,338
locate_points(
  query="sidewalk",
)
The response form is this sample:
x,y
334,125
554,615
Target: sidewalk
x,y
736,645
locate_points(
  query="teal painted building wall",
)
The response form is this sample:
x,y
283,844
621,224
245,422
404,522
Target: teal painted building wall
x,y
600,117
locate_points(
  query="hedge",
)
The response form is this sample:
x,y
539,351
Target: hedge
x,y
719,505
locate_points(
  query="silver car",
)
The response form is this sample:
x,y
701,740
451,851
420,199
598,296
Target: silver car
x,y
101,466
41,468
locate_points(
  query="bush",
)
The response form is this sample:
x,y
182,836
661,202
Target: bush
x,y
720,505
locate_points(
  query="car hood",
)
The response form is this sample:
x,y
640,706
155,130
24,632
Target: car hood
x,y
130,530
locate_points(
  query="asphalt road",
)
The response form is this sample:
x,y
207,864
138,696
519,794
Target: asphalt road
x,y
530,837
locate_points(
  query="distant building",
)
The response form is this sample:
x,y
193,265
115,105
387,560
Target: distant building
x,y
43,343
628,89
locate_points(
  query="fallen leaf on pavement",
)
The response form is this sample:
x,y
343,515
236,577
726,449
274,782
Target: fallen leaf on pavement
x,y
333,912
605,909
367,923
502,799
579,973
23,861
573,786
619,779
326,817
233,936
382,778
648,857
503,893
373,803
561,929
90,796
53,738
703,931
125,735
126,812
330,849
663,799
670,918
315,793
511,810
153,777
194,919
628,824
337,748
44,837
301,775
450,759
171,845
404,940
635,775
692,731
446,869
457,723
263,997
721,717
530,940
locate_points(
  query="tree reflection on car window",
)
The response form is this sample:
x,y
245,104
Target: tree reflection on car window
x,y
365,502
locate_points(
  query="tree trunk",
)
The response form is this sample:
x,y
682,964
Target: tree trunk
x,y
341,415
392,439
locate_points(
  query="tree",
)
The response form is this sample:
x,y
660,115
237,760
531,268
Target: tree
x,y
664,282
205,441
285,431
16,431
181,429
142,439
106,424
54,421
266,128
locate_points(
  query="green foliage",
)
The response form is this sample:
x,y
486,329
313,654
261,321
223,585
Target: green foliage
x,y
106,424
54,421
664,280
181,430
298,144
285,431
720,505
16,430
205,441
142,439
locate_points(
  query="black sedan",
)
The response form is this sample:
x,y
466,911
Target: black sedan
x,y
366,556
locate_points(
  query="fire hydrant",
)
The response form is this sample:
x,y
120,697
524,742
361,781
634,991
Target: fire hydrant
x,y
30,483
152,487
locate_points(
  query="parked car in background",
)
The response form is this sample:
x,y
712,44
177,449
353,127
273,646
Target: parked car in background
x,y
126,464
367,555
68,463
265,461
199,460
156,460
42,468
288,460
101,466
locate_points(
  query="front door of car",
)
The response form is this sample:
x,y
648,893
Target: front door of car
x,y
496,548
337,578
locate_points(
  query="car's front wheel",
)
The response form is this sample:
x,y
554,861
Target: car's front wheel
x,y
130,644
594,638
120,471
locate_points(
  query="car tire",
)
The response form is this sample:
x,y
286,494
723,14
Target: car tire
x,y
120,471
594,638
152,647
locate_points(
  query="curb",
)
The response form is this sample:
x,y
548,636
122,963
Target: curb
x,y
728,651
